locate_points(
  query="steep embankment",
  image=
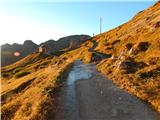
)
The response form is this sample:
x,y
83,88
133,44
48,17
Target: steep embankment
x,y
130,55
135,50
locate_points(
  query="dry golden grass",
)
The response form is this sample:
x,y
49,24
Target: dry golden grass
x,y
32,96
140,29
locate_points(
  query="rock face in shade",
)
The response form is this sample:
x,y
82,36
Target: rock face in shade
x,y
28,47
8,51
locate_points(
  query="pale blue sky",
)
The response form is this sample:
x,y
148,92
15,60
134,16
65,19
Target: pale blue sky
x,y
40,21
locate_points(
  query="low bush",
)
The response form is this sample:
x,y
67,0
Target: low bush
x,y
16,70
143,46
149,74
5,75
21,74
145,75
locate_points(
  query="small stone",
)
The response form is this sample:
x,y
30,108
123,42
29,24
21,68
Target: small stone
x,y
126,111
117,103
120,98
114,112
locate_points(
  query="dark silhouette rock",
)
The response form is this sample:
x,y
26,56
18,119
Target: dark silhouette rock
x,y
28,47
7,51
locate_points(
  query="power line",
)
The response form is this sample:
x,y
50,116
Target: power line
x,y
100,25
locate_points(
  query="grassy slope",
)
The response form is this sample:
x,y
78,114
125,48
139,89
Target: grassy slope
x,y
140,29
31,97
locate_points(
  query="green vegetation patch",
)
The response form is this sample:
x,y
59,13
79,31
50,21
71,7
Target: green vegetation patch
x,y
21,74
149,74
5,75
16,70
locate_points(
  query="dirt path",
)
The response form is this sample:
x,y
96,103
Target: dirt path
x,y
90,96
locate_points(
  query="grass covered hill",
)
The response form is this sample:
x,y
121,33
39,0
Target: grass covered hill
x,y
129,55
135,50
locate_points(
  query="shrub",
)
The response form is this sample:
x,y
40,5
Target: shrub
x,y
154,60
21,74
16,70
143,46
5,75
128,66
129,46
149,74
145,75
115,42
157,25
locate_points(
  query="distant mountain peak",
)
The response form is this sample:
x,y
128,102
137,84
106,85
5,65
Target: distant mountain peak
x,y
28,42
29,47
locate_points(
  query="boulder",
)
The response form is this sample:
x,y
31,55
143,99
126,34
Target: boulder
x,y
128,66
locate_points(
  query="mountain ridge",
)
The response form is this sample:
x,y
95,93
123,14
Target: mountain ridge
x,y
29,47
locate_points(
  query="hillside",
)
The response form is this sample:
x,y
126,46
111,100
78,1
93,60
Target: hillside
x,y
129,55
135,50
28,47
7,51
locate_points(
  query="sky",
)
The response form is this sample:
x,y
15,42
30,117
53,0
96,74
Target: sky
x,y
40,20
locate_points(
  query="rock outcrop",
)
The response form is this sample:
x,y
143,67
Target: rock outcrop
x,y
28,47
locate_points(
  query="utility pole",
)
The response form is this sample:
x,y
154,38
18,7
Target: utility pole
x,y
100,25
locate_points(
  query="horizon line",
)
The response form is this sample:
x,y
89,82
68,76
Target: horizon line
x,y
44,40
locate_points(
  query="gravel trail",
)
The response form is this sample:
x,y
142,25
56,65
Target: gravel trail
x,y
88,95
